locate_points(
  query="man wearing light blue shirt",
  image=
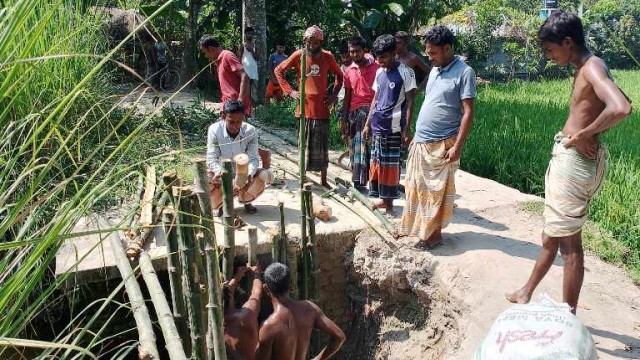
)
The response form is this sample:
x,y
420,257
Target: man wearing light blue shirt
x,y
226,139
442,128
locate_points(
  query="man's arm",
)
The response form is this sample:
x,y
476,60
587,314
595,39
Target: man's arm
x,y
244,84
253,303
410,96
213,151
465,127
252,152
266,338
367,125
617,106
419,63
291,62
337,83
324,324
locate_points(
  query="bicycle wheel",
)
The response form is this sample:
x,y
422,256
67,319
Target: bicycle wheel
x,y
170,80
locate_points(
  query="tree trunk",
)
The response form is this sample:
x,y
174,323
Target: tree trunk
x,y
254,15
190,62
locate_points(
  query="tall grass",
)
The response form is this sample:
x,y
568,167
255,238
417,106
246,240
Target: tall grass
x,y
62,150
512,138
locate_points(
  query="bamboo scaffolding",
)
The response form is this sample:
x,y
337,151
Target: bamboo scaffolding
x,y
140,312
188,262
173,342
227,211
215,336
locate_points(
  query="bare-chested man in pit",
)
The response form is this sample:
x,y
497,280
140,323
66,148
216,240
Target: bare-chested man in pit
x,y
241,325
285,335
578,163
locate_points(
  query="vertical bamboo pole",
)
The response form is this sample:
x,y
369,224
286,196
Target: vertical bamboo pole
x,y
252,248
314,266
302,141
189,285
215,336
227,211
304,240
275,248
175,278
165,319
283,236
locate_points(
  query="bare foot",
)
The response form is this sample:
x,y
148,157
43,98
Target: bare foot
x,y
378,204
518,297
434,240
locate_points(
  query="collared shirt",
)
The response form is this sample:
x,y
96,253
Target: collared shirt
x,y
360,81
220,145
441,112
390,110
228,66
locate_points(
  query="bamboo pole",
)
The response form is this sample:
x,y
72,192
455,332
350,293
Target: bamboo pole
x,y
136,243
227,211
363,199
304,241
314,293
175,278
252,248
215,336
140,312
283,236
302,140
189,285
133,217
172,340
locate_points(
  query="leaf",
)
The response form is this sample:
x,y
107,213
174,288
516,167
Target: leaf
x,y
396,8
373,19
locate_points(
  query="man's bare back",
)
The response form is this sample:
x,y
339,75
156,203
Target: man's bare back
x,y
241,325
286,334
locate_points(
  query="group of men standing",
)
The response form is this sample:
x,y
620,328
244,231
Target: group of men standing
x,y
377,109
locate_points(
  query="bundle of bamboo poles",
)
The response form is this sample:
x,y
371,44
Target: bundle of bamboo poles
x,y
193,325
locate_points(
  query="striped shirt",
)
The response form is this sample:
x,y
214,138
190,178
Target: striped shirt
x,y
389,113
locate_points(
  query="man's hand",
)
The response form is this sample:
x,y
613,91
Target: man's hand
x,y
587,146
453,154
330,99
366,131
294,94
237,190
216,180
406,139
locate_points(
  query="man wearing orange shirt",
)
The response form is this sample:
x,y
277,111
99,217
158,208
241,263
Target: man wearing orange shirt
x,y
317,99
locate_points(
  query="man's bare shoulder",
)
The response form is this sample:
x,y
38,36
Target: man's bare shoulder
x,y
596,68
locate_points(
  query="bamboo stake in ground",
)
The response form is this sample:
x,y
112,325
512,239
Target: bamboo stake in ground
x,y
314,266
304,241
175,279
283,236
302,140
189,286
215,335
163,312
252,247
140,312
227,211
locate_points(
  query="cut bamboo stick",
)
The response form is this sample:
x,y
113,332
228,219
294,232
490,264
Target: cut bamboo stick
x,y
173,342
136,243
227,211
215,336
138,307
189,285
252,247
175,279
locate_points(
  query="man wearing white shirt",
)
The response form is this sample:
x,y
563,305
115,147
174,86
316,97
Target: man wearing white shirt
x,y
227,138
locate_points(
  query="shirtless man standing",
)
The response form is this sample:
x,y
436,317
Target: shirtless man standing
x,y
578,163
241,325
285,335
405,56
